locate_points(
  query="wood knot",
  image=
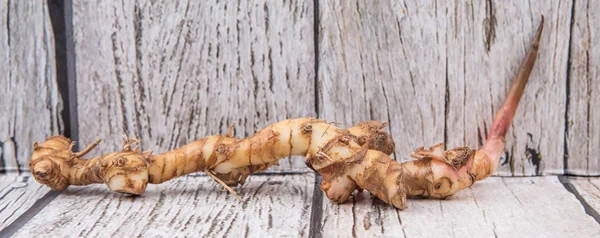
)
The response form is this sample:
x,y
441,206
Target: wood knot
x,y
306,128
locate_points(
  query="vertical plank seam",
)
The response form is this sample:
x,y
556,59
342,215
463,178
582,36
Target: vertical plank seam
x,y
3,168
316,213
568,89
316,56
57,20
71,71
446,102
8,25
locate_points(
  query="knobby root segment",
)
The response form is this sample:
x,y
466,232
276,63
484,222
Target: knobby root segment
x,y
350,159
441,173
356,158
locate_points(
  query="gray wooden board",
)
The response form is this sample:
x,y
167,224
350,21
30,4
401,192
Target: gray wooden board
x,y
589,190
30,104
495,207
583,117
439,70
275,205
17,194
171,73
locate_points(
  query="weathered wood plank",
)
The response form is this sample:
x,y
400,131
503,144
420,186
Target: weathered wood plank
x,y
278,205
361,216
495,37
171,73
589,190
438,70
17,194
500,207
371,66
583,118
29,99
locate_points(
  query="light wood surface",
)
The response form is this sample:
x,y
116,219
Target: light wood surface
x,y
495,207
17,195
172,73
281,206
439,70
278,205
30,104
583,117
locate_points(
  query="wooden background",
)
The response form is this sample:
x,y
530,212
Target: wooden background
x,y
174,72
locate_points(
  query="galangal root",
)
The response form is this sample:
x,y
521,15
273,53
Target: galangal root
x,y
364,149
350,159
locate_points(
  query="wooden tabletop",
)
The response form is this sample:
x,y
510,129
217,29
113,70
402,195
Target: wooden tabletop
x,y
292,206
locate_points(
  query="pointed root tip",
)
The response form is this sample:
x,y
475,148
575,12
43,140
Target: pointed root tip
x,y
541,27
538,34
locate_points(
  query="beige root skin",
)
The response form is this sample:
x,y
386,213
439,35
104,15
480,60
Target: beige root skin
x,y
348,160
54,164
356,158
439,173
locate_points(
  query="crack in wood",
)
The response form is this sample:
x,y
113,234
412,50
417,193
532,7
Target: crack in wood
x,y
586,206
316,215
13,227
489,25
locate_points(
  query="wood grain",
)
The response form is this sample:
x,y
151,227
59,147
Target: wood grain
x,y
278,205
583,118
171,73
491,57
17,194
438,70
371,66
361,216
495,207
30,103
